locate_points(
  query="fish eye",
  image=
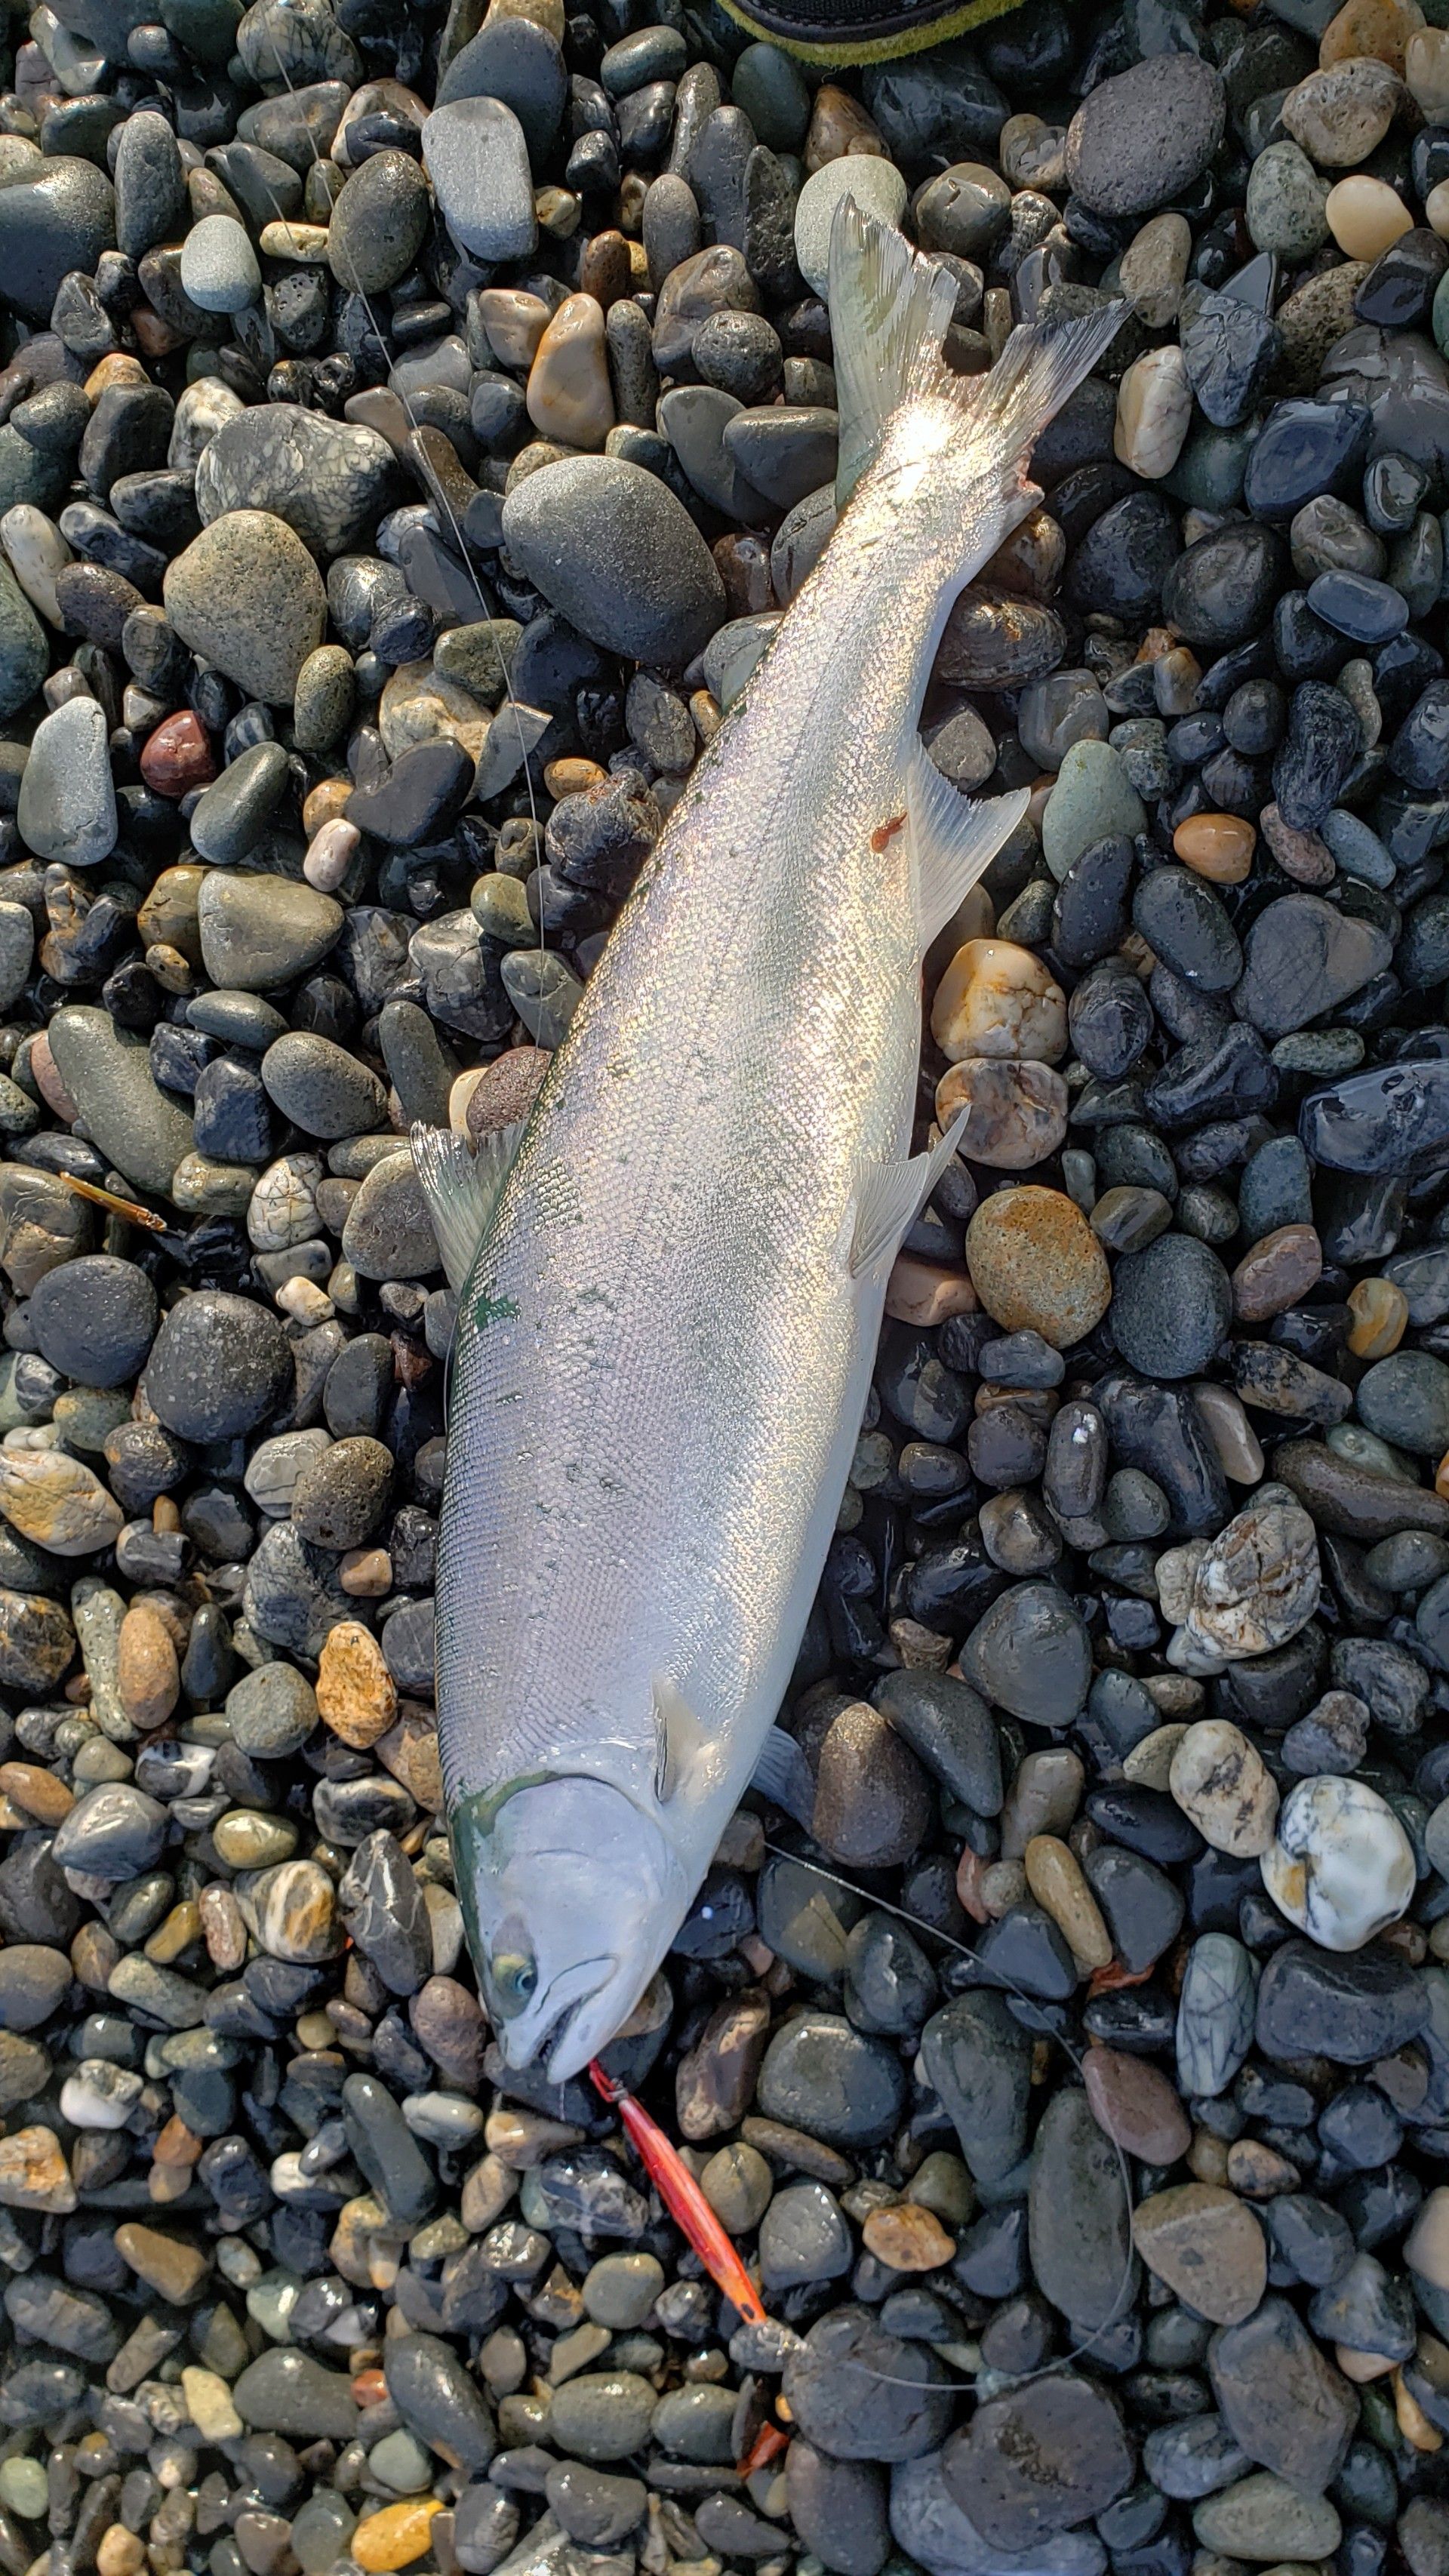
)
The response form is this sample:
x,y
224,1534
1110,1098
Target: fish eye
x,y
514,1978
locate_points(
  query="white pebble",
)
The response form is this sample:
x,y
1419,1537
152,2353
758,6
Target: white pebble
x,y
1341,1866
1154,409
99,2095
330,854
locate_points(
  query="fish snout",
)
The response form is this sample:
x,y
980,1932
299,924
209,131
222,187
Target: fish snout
x,y
553,2017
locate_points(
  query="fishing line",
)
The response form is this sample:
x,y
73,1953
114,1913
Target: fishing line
x,y
918,1923
356,288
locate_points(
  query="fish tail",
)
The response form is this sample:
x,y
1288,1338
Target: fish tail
x,y
889,312
1041,365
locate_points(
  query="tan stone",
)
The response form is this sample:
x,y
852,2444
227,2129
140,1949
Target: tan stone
x,y
1341,115
1207,2246
1379,27
1221,1782
514,322
1380,1312
168,2265
1018,1110
926,1292
996,999
120,2553
1216,846
356,1694
1426,71
169,913
208,2403
1037,1266
1365,216
839,124
1238,1448
1154,412
907,2238
38,1791
569,393
1057,1881
1149,1764
1153,269
148,1677
34,2173
409,1751
58,1502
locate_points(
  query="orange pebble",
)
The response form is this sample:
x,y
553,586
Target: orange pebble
x,y
327,798
571,775
1218,846
1380,1314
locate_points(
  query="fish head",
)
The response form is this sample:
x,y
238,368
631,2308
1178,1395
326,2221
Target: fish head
x,y
571,1894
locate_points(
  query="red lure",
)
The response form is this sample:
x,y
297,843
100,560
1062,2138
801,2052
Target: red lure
x,y
681,2196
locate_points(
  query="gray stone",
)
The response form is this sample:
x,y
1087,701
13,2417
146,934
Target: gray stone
x,y
107,1071
475,153
328,479
618,555
246,595
67,807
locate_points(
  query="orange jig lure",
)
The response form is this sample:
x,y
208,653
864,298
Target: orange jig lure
x,y
681,2196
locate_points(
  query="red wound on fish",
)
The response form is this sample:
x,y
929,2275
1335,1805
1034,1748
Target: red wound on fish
x,y
681,2196
885,832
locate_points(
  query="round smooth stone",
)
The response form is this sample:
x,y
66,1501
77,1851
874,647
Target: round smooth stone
x,y
1365,215
219,268
878,189
1341,1866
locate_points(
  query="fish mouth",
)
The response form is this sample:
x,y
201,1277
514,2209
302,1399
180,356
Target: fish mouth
x,y
546,2025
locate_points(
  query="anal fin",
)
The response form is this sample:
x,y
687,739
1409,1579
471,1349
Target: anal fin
x,y
891,1195
954,839
462,1189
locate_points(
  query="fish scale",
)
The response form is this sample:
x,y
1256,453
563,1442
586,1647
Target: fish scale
x,y
666,1334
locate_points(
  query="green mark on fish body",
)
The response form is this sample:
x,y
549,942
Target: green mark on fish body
x,y
493,1310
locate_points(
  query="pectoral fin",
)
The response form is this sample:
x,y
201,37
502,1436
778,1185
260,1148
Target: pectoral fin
x,y
954,839
681,1746
462,1189
891,1196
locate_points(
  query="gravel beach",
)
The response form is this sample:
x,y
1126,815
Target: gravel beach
x,y
413,426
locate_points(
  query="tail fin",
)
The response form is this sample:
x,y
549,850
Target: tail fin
x,y
888,313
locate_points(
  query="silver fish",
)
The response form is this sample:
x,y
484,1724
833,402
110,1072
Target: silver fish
x,y
669,1304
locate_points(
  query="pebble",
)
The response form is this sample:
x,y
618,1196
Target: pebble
x,y
1037,1266
67,804
1341,1866
1208,2248
1143,137
476,156
247,595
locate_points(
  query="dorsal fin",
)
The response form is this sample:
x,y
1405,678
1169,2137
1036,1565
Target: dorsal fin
x,y
462,1188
